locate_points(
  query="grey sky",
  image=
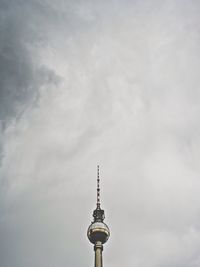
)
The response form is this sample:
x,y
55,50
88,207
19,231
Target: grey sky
x,y
114,83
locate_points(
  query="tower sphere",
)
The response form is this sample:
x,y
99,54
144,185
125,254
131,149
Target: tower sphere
x,y
98,231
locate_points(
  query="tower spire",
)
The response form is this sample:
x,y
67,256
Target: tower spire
x,y
98,188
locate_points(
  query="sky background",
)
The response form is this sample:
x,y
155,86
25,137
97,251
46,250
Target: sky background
x,y
114,83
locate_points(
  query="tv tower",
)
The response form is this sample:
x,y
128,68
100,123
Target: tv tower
x,y
98,232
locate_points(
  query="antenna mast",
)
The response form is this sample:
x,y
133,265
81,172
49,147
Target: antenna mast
x,y
98,188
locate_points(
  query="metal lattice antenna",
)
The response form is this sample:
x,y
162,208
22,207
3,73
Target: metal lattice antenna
x,y
98,188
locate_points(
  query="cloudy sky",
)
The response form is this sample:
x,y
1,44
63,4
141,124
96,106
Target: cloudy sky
x,y
114,83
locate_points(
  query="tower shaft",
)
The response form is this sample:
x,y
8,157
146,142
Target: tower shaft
x,y
98,248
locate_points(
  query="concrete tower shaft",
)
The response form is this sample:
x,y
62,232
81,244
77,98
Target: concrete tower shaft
x,y
98,248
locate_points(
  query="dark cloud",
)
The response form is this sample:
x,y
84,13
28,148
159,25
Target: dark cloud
x,y
20,75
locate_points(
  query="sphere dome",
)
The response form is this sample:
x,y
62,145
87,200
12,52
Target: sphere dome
x,y
98,231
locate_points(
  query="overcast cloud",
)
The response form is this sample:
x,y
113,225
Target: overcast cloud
x,y
114,83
